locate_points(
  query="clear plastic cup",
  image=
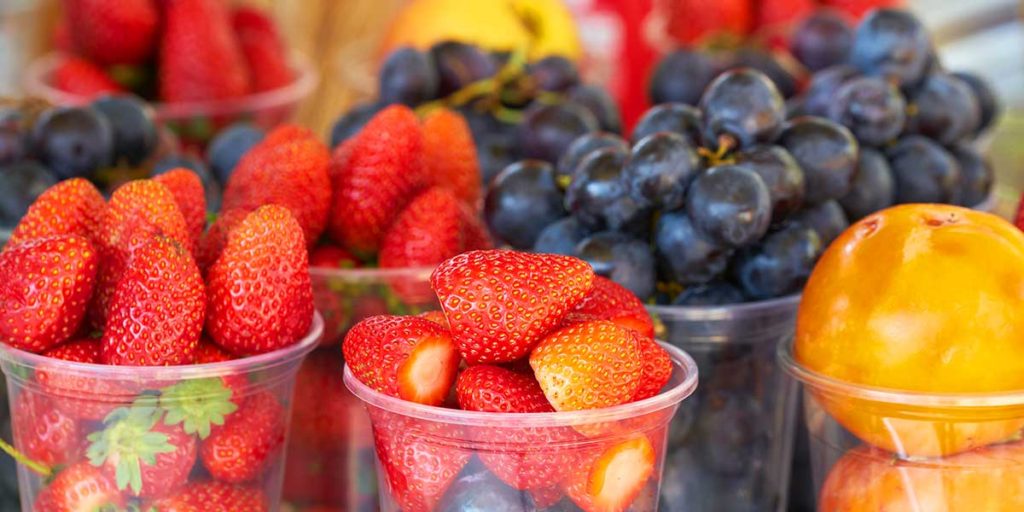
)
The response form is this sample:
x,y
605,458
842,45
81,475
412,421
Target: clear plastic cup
x,y
437,459
221,422
882,449
730,446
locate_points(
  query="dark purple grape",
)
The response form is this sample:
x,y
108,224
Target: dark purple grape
x,y
873,187
13,141
459,64
547,130
351,122
561,237
827,153
408,76
229,146
824,86
945,109
742,104
133,125
583,146
781,174
478,490
622,259
730,204
821,40
715,293
892,44
597,100
73,141
766,63
670,117
659,169
779,265
554,73
988,102
494,152
599,195
521,201
682,76
924,171
22,182
873,109
976,175
827,219
686,256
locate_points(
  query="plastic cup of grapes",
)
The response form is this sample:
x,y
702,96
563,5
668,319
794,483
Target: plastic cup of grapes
x,y
207,436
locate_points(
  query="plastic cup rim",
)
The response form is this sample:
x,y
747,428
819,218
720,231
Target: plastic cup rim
x,y
728,311
361,273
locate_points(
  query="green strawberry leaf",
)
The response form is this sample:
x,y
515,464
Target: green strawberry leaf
x,y
127,440
197,405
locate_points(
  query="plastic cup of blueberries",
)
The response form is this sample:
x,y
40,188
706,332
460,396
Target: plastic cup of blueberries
x,y
437,459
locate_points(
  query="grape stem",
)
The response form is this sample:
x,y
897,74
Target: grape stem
x,y
42,469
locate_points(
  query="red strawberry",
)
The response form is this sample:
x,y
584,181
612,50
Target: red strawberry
x,y
779,13
500,303
331,256
122,32
188,194
609,300
80,77
212,496
495,389
590,365
427,232
207,352
42,432
71,207
243,447
264,51
403,356
77,395
546,497
79,487
289,171
213,241
259,292
1020,214
449,155
339,159
143,456
45,285
614,477
435,316
200,59
694,21
383,173
474,233
657,368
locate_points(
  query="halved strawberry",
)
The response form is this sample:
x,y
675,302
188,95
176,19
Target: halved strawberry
x,y
657,368
79,487
71,207
614,476
611,301
242,448
495,389
403,356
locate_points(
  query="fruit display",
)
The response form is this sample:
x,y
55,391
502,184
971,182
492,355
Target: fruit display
x,y
927,409
537,386
137,378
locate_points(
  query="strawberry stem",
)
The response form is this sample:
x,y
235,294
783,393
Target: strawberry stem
x,y
42,469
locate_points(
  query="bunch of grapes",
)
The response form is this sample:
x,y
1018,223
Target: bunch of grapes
x,y
515,109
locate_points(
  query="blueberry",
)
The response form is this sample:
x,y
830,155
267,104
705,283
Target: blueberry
x,y
976,175
682,76
407,76
742,104
891,44
561,237
597,100
945,109
477,490
460,64
229,146
684,254
766,63
873,109
988,102
622,259
824,86
827,153
715,293
779,265
924,171
599,195
521,201
73,141
670,117
827,219
554,73
781,174
583,146
133,125
547,130
730,204
22,182
349,123
821,40
13,142
873,187
659,169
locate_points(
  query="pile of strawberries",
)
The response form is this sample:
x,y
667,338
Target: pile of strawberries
x,y
170,51
518,333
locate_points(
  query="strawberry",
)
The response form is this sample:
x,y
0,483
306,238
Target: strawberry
x,y
590,365
213,241
142,455
403,356
212,496
264,51
332,256
614,477
82,78
207,352
122,32
75,395
188,194
1019,219
495,389
156,314
611,301
244,446
449,156
546,497
435,316
259,293
45,285
200,59
474,233
657,368
427,232
42,432
500,303
780,13
287,168
199,405
79,487
696,21
383,173
71,207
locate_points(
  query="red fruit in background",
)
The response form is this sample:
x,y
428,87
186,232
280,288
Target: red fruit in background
x,y
212,496
428,231
316,475
264,51
383,173
657,368
200,58
323,410
694,21
156,315
242,448
80,77
79,487
121,32
42,432
331,256
779,13
80,396
403,356
213,241
495,389
500,303
71,207
188,193
858,8
140,454
614,477
449,156
609,300
1019,219
45,285
287,168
